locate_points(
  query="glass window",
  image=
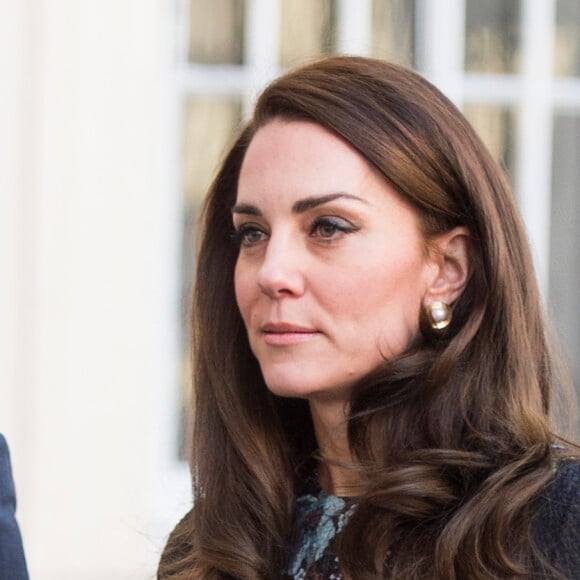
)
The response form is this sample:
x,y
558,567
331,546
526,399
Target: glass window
x,y
209,123
216,31
496,125
393,31
565,239
308,30
492,36
567,38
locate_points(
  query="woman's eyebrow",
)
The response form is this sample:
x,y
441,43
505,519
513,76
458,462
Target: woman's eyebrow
x,y
308,203
299,206
246,209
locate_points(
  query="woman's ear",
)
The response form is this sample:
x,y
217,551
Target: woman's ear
x,y
450,253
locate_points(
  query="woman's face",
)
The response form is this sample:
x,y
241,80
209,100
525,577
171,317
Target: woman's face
x,y
332,265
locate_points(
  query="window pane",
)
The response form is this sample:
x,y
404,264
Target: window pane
x,y
565,238
209,123
567,38
496,126
308,29
393,32
216,31
492,42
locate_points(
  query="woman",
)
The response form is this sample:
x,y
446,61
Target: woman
x,y
372,378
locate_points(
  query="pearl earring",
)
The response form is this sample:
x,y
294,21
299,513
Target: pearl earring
x,y
439,315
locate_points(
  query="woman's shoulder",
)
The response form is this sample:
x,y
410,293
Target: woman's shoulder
x,y
563,491
560,499
557,520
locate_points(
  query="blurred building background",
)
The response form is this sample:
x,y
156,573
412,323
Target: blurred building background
x,y
113,115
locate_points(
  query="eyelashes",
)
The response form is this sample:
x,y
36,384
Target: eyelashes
x,y
248,235
328,228
323,229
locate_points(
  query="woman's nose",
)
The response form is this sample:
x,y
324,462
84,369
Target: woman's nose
x,y
281,273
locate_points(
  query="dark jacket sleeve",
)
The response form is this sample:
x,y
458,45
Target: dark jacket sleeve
x,y
12,562
557,525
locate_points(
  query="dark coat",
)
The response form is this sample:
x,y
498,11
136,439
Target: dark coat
x,y
12,562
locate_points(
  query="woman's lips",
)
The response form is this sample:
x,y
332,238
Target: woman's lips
x,y
285,334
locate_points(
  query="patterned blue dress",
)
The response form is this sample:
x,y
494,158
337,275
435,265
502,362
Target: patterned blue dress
x,y
320,519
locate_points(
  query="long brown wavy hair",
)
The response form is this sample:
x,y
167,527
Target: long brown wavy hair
x,y
453,437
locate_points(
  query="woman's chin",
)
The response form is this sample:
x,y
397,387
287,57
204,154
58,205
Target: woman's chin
x,y
290,390
310,391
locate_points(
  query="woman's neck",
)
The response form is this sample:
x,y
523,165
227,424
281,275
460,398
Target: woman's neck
x,y
336,472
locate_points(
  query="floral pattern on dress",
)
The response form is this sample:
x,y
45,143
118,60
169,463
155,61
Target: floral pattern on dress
x,y
320,518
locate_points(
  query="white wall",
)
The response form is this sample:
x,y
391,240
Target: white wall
x,y
88,258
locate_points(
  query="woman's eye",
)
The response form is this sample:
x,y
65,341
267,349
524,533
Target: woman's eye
x,y
249,235
329,228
